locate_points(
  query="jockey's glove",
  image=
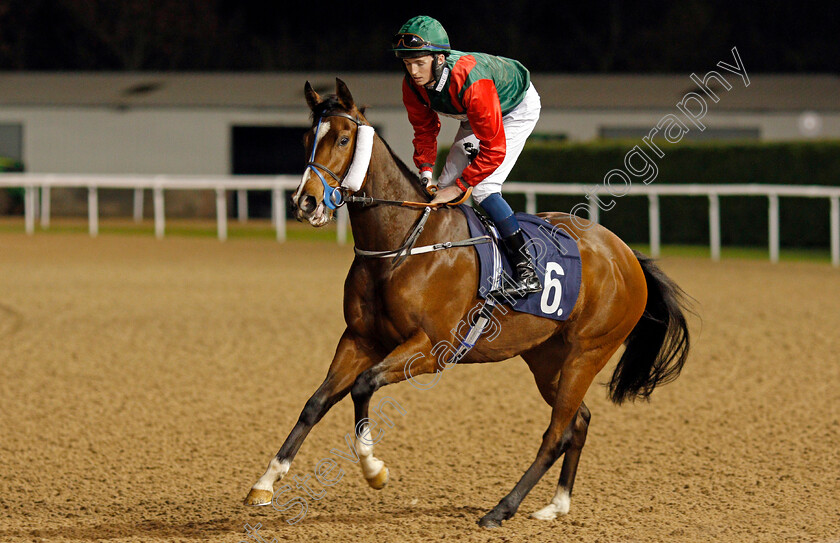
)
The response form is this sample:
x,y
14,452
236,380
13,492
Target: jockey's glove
x,y
426,177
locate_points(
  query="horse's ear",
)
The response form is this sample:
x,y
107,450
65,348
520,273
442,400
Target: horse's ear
x,y
343,94
312,97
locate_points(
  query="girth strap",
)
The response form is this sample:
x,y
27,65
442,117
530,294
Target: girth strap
x,y
407,249
426,248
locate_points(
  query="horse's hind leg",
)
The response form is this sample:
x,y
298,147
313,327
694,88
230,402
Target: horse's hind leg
x,y
545,362
562,498
574,380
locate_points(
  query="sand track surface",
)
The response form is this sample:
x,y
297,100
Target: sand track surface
x,y
145,384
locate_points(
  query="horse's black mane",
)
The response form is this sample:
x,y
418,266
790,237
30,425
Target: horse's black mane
x,y
406,171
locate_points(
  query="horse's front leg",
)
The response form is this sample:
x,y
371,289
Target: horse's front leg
x,y
351,359
408,360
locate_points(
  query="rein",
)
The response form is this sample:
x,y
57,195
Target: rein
x,y
335,197
368,201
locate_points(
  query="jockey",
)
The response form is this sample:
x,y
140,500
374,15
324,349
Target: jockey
x,y
498,108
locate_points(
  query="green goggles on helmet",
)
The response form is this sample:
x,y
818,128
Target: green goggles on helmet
x,y
413,41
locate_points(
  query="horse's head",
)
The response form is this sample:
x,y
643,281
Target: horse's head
x,y
338,149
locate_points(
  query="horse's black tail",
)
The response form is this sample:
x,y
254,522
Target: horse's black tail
x,y
658,346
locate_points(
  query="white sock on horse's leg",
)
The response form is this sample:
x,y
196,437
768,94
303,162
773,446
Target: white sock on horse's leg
x,y
276,470
559,506
263,490
373,469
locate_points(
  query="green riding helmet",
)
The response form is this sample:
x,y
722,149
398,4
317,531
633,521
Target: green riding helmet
x,y
420,36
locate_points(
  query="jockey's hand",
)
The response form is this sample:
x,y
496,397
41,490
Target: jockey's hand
x,y
429,184
426,177
447,195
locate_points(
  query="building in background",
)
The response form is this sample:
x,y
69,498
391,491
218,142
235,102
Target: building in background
x,y
220,124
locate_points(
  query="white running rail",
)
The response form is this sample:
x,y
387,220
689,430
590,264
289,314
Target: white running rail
x,y
279,184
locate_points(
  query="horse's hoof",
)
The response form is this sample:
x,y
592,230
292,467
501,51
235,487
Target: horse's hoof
x,y
379,480
258,497
487,522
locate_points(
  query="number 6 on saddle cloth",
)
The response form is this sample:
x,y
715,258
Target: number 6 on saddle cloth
x,y
556,261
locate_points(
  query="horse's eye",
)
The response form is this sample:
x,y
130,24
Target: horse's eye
x,y
344,141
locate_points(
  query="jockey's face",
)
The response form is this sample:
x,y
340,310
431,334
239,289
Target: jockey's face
x,y
420,69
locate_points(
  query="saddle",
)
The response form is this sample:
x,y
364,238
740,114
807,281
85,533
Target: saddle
x,y
555,256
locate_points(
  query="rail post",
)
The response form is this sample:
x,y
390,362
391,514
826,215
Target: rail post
x,y
93,211
45,205
714,226
29,208
531,203
221,213
157,196
138,204
653,216
773,212
594,212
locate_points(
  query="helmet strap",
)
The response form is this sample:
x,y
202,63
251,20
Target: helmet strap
x,y
437,70
438,67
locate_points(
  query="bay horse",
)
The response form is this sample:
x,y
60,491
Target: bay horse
x,y
393,314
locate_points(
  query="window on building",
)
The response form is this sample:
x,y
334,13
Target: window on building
x,y
637,132
11,142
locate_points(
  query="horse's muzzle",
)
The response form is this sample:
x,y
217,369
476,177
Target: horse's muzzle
x,y
308,208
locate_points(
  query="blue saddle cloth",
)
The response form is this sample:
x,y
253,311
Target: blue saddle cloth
x,y
556,261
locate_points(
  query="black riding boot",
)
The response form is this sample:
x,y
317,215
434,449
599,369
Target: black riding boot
x,y
525,278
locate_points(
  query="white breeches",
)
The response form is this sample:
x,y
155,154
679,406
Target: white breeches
x,y
519,124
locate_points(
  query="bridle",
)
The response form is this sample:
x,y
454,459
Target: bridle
x,y
351,181
333,196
